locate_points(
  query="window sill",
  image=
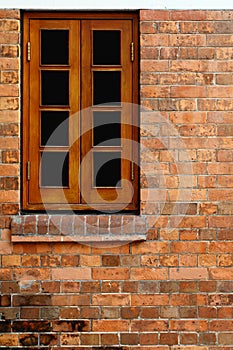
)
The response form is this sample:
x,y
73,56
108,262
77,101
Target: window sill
x,y
81,229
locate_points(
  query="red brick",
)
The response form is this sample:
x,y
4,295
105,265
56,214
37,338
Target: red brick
x,y
109,339
207,312
149,325
50,287
150,312
148,339
70,300
89,339
87,260
70,339
168,338
148,299
188,91
189,273
148,247
90,287
110,325
71,273
189,325
28,339
111,299
70,287
188,53
208,338
110,260
220,325
154,15
188,15
33,300
9,14
219,40
188,338
221,273
110,273
69,313
30,313
13,260
70,326
148,27
168,53
225,338
188,247
225,181
129,338
221,221
224,53
149,274
154,40
9,340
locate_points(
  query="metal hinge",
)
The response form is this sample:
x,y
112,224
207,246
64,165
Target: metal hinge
x,y
132,51
132,170
28,170
29,51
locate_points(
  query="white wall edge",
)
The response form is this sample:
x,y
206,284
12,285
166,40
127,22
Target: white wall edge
x,y
117,4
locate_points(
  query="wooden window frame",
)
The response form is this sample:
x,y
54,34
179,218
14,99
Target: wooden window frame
x,y
35,198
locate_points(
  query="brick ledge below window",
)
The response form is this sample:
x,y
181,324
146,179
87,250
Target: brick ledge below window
x,y
78,228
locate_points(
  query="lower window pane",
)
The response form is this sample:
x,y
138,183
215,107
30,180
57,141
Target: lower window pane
x,y
54,169
107,169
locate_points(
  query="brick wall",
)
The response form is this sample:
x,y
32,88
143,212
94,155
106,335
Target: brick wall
x,y
174,290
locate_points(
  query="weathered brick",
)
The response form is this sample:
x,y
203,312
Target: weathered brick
x,y
8,340
70,326
28,339
31,326
70,339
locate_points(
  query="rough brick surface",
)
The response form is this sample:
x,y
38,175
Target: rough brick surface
x,y
174,291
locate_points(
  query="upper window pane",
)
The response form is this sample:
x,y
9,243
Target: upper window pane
x,y
55,88
54,46
107,87
107,128
106,47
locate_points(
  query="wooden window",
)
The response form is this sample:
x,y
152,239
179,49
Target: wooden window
x,y
80,96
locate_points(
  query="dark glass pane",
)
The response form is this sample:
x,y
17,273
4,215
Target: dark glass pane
x,y
107,169
55,88
54,169
107,87
106,47
54,128
54,46
107,128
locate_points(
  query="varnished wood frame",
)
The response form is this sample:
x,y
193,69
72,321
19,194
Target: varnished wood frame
x,y
27,16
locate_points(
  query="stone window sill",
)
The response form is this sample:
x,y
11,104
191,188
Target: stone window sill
x,y
78,228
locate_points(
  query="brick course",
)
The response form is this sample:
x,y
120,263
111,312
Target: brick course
x,y
172,291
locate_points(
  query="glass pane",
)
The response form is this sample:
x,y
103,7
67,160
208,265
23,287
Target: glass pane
x,y
107,169
107,87
55,88
54,46
54,128
107,128
54,169
106,47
